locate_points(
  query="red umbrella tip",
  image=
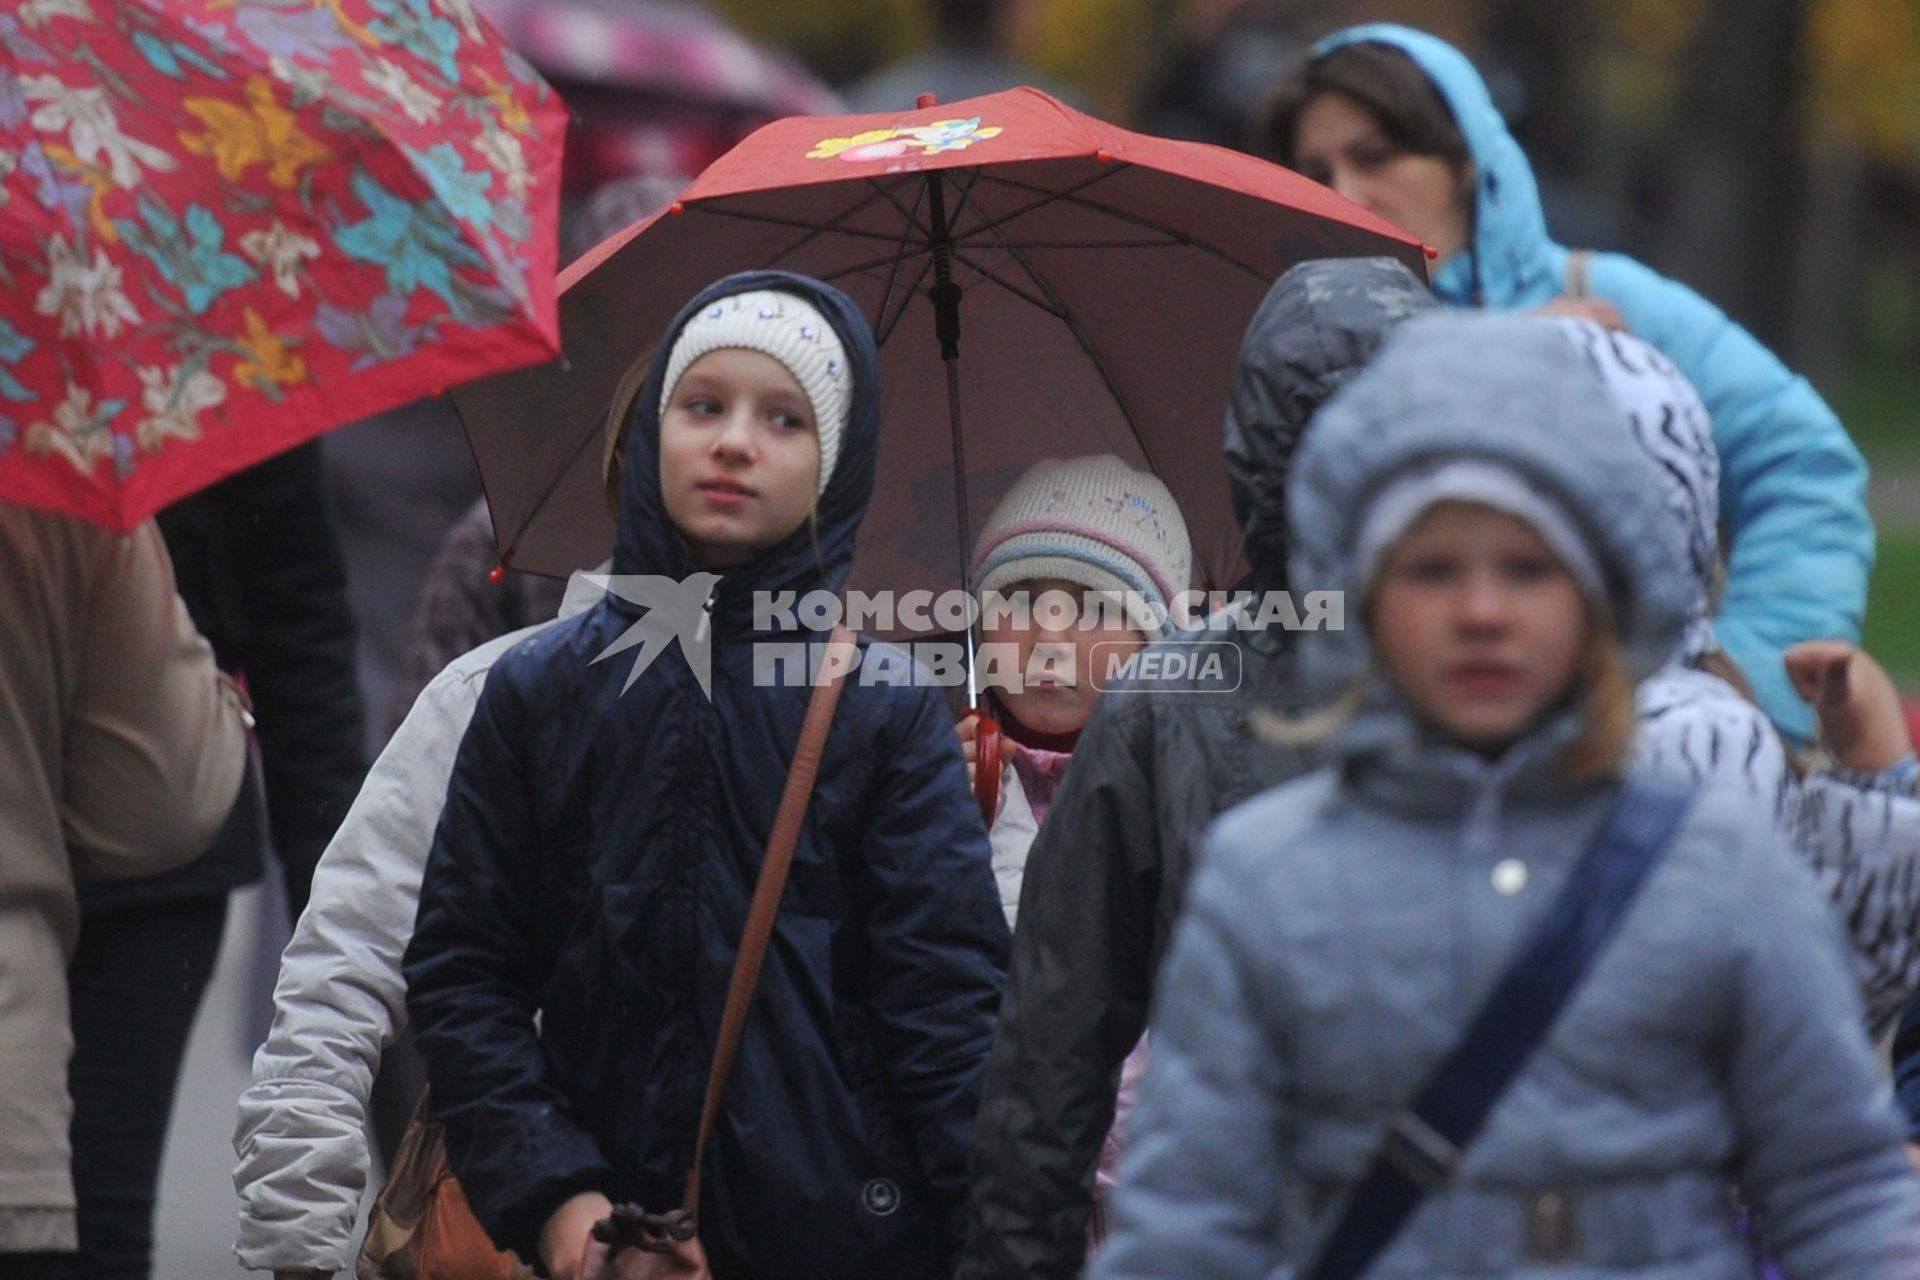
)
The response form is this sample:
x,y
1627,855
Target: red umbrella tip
x,y
499,571
1432,253
677,208
927,100
1102,156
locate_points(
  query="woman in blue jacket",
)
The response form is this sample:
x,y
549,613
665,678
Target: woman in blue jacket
x,y
604,829
1401,122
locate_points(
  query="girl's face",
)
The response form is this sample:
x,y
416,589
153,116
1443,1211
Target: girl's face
x,y
1478,624
1061,671
739,456
1339,142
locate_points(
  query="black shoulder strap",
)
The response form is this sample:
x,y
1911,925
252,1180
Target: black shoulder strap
x,y
1424,1142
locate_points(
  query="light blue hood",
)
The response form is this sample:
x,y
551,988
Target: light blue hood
x,y
1512,263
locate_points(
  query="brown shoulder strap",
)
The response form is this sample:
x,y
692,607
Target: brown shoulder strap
x,y
766,893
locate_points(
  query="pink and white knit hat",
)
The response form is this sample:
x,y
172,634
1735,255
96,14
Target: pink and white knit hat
x,y
1093,521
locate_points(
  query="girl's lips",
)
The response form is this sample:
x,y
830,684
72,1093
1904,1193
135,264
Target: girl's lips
x,y
724,492
1484,678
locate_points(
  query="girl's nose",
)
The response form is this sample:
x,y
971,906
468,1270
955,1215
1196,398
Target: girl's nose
x,y
735,438
1483,603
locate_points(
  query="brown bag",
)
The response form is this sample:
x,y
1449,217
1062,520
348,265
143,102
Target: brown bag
x,y
420,1227
670,1242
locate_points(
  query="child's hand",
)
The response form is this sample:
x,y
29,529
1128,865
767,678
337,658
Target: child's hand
x,y
566,1243
968,730
1858,707
1598,310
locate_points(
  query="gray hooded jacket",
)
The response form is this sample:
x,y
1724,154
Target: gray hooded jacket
x,y
1105,877
1344,928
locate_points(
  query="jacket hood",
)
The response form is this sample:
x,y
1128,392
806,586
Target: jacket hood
x,y
816,555
1667,421
1538,406
1512,262
1319,325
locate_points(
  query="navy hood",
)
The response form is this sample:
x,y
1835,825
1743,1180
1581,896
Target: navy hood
x,y
817,555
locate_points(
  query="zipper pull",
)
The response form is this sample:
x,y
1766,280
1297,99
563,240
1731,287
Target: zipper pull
x,y
705,625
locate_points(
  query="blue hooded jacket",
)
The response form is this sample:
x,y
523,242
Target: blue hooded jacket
x,y
1342,929
594,866
1792,485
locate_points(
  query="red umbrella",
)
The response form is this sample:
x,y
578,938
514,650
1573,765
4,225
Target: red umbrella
x,y
227,225
1042,284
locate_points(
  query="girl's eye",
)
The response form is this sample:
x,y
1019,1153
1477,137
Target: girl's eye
x,y
703,406
790,420
1430,570
1531,569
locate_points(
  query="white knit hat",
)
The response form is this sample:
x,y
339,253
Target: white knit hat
x,y
789,329
1094,521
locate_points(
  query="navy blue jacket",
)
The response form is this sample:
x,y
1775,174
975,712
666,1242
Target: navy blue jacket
x,y
594,865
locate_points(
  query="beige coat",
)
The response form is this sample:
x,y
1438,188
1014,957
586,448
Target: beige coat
x,y
121,752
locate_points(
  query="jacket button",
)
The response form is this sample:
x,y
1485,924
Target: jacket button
x,y
880,1197
1509,876
1551,1237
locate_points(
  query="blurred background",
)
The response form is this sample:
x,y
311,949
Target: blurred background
x,y
1766,152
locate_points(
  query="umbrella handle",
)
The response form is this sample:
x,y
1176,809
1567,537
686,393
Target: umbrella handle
x,y
986,776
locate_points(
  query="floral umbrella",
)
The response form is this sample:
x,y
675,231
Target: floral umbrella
x,y
228,225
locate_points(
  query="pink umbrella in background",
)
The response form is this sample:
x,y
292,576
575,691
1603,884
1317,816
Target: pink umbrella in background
x,y
655,86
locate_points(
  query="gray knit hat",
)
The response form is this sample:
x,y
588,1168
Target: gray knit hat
x,y
791,331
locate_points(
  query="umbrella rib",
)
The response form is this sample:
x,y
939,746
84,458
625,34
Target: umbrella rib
x,y
893,276
880,338
1071,196
1081,336
812,229
1033,300
1046,197
880,189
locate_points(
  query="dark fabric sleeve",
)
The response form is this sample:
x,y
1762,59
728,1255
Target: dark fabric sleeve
x,y
474,977
295,646
1075,1005
937,942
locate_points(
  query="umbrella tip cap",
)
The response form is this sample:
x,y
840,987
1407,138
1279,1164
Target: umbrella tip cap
x,y
677,208
1433,254
927,100
1103,156
499,571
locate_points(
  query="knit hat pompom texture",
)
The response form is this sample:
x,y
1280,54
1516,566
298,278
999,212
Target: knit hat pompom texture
x,y
788,329
1093,521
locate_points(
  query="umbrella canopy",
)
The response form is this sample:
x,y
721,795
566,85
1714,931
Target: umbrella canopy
x,y
1092,286
227,225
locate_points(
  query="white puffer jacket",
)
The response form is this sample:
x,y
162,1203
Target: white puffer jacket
x,y
340,1000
